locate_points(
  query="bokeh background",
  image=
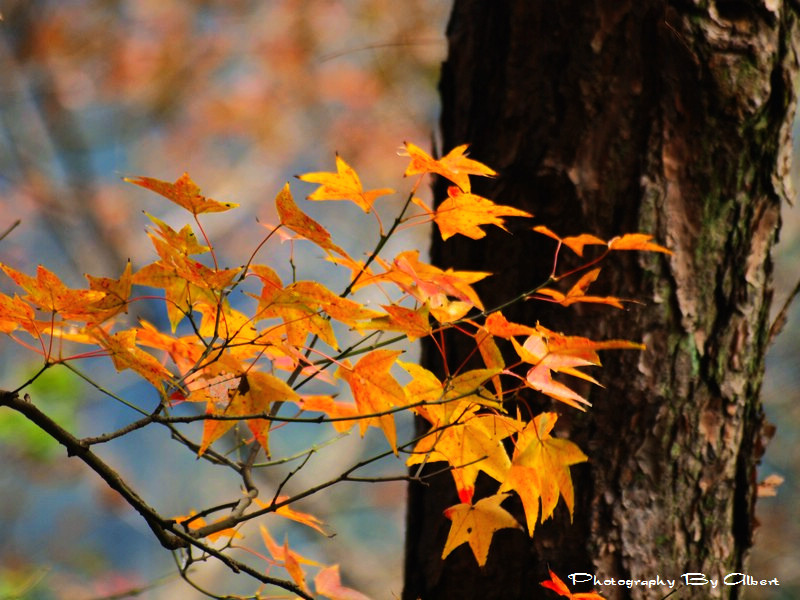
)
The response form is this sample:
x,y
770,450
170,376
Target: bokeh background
x,y
242,95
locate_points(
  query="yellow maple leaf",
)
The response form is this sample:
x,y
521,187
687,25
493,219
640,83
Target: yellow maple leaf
x,y
549,460
469,442
254,395
343,185
476,524
454,166
464,213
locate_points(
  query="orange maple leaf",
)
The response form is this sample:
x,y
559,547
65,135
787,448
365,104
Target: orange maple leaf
x,y
343,185
636,241
184,192
375,390
14,313
491,355
287,512
183,241
476,525
280,552
560,588
177,291
49,293
499,326
574,243
117,292
466,213
413,322
333,408
434,286
295,219
577,293
454,166
301,305
126,355
184,351
629,241
291,560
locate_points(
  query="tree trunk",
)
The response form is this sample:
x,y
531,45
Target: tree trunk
x,y
671,118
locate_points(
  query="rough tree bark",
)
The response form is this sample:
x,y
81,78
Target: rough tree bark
x,y
608,117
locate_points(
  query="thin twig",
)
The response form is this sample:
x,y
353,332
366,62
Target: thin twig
x,y
780,319
11,228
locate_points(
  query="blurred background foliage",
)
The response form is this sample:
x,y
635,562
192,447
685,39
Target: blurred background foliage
x,y
242,94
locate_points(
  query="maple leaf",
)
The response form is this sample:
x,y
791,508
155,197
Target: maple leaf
x,y
574,243
116,293
343,185
184,241
295,219
525,482
413,322
287,512
375,390
49,293
254,395
577,293
499,326
301,305
446,398
491,355
560,588
540,469
465,213
636,241
328,583
469,443
629,241
185,281
454,166
184,351
291,560
175,256
279,552
424,387
14,313
550,351
332,408
476,524
184,192
221,321
126,355
432,285
177,291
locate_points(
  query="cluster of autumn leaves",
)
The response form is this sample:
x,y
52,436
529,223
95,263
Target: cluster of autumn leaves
x,y
243,366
